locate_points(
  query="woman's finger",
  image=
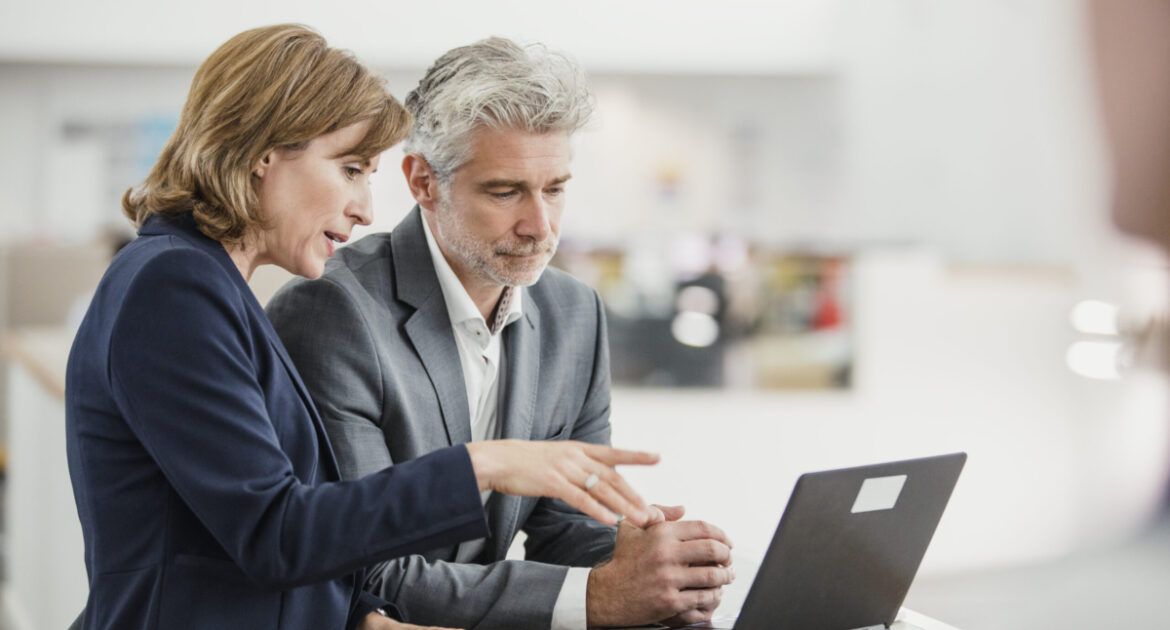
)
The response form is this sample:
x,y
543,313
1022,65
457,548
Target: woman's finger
x,y
612,499
616,457
615,479
578,498
617,495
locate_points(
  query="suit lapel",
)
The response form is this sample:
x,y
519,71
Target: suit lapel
x,y
518,396
429,327
521,374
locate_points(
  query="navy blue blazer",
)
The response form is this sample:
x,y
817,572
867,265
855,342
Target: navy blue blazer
x,y
208,494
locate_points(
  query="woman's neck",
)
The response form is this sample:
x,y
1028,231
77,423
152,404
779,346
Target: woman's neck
x,y
247,254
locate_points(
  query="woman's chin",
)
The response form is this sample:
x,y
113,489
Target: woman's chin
x,y
308,269
313,272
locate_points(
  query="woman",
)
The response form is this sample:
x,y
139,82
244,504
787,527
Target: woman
x,y
207,491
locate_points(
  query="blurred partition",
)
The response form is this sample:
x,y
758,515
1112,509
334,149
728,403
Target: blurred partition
x,y
46,584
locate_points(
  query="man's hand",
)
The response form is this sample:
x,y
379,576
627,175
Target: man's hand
x,y
672,570
375,621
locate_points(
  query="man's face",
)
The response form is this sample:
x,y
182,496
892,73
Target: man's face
x,y
1132,40
498,218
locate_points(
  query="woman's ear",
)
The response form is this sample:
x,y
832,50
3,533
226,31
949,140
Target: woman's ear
x,y
262,164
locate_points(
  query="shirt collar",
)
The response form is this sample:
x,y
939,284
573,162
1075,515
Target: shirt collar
x,y
460,307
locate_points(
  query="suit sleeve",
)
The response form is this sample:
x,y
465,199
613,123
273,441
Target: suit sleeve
x,y
182,370
558,533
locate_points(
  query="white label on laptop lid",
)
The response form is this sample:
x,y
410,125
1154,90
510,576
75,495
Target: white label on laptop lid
x,y
879,493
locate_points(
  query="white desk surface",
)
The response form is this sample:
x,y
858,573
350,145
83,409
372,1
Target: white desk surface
x,y
907,620
910,620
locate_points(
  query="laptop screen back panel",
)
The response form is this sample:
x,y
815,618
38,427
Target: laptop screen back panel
x,y
846,551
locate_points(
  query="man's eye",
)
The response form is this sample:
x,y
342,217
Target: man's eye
x,y
503,195
555,191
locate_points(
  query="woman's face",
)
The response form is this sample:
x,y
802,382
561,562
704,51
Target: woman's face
x,y
312,198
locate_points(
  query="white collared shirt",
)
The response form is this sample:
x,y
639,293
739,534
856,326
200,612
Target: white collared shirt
x,y
481,355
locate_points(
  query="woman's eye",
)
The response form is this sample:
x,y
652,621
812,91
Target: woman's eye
x,y
352,172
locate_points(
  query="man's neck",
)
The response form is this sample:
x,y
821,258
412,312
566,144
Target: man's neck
x,y
485,296
484,293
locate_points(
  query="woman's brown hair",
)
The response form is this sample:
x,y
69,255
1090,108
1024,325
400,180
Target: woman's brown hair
x,y
266,88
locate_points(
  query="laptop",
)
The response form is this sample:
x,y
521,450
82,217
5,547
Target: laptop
x,y
848,547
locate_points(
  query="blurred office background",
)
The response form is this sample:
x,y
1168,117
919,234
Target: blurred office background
x,y
829,233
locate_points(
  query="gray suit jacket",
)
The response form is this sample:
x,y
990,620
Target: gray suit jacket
x,y
373,343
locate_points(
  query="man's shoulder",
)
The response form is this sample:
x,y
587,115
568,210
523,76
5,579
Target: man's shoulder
x,y
353,259
358,271
559,290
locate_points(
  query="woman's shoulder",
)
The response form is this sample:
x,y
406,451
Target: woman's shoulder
x,y
164,255
167,269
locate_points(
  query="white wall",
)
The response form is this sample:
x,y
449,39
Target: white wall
x,y
970,127
737,36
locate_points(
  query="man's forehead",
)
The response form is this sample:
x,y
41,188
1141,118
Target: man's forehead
x,y
519,156
514,145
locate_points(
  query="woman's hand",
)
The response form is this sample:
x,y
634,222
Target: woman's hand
x,y
577,473
377,621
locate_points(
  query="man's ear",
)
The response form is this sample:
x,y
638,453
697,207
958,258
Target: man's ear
x,y
422,181
262,164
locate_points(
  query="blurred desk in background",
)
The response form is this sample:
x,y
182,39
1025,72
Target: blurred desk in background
x,y
46,581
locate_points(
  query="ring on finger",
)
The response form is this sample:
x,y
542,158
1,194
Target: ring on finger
x,y
591,481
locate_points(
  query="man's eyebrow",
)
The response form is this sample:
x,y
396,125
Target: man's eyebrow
x,y
518,183
503,183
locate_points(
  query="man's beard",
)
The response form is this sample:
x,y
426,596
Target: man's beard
x,y
494,261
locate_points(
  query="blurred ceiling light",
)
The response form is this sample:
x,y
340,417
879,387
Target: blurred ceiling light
x,y
697,330
697,299
1095,317
1095,359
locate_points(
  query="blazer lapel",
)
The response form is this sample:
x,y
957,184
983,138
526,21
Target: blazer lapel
x,y
520,382
521,374
429,327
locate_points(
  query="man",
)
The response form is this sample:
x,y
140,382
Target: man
x,y
450,329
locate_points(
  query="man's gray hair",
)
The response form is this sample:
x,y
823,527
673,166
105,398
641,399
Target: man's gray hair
x,y
498,84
